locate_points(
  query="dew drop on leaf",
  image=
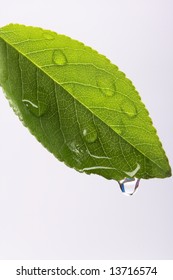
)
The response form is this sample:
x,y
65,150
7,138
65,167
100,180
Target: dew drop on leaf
x,y
109,92
74,147
36,109
90,135
132,173
106,85
59,57
78,152
129,108
129,185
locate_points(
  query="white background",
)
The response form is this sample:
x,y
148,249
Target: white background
x,y
49,211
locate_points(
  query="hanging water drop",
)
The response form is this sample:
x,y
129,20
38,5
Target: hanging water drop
x,y
129,185
59,57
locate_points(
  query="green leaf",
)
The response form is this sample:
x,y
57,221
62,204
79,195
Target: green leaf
x,y
79,105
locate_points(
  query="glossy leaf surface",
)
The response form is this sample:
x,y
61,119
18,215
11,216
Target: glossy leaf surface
x,y
79,105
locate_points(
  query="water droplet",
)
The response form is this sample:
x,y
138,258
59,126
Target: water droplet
x,y
37,109
107,86
129,185
129,108
90,134
59,57
96,156
74,147
78,152
48,36
120,128
108,92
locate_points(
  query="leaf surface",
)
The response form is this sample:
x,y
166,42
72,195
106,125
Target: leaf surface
x,y
79,105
